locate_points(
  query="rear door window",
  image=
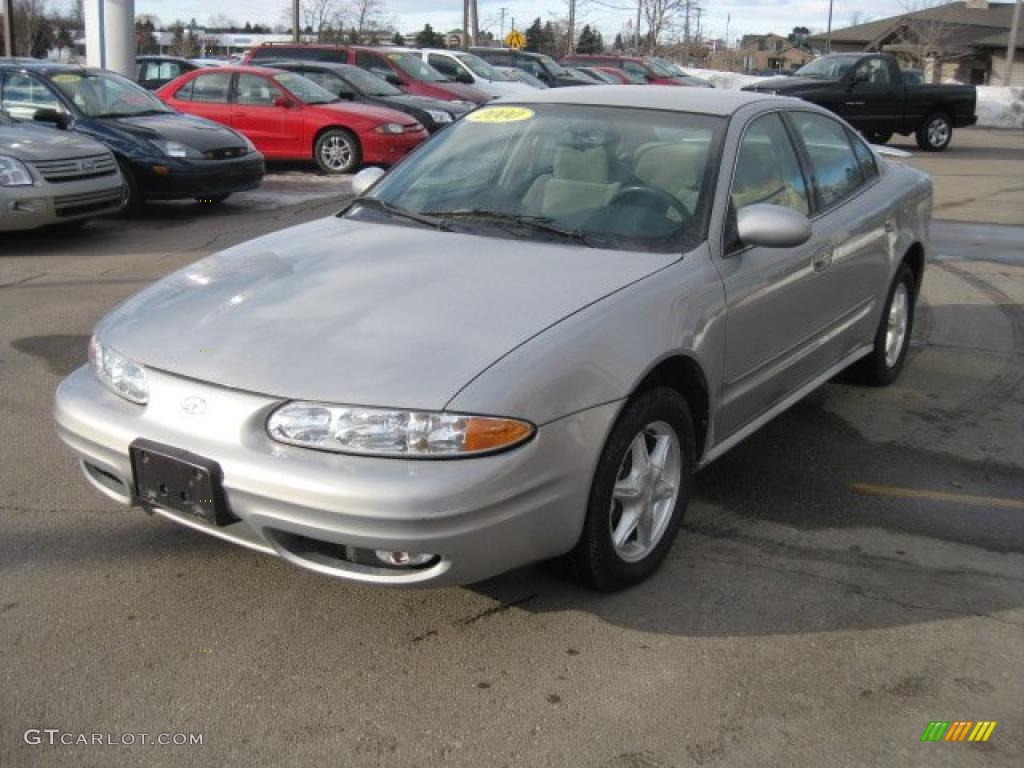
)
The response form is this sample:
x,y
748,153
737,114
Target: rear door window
x,y
443,64
212,88
837,173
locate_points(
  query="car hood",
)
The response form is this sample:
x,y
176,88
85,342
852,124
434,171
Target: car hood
x,y
174,126
365,111
424,102
502,87
36,142
461,91
790,84
362,313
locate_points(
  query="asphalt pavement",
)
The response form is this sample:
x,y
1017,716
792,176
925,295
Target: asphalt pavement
x,y
848,574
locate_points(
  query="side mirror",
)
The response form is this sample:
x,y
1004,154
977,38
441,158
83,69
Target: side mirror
x,y
772,226
365,179
49,115
346,95
394,79
464,77
283,101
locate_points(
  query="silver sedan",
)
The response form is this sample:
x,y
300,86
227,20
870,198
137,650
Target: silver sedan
x,y
516,345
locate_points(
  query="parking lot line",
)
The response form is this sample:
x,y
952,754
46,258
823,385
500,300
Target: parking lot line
x,y
914,493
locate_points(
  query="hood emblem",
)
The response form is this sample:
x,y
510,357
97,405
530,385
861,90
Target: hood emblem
x,y
193,406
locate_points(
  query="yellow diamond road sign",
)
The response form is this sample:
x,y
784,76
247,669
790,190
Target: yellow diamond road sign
x,y
515,39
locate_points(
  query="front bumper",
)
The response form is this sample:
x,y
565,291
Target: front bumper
x,y
481,515
385,149
170,179
45,204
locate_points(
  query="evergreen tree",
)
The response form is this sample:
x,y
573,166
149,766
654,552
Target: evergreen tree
x,y
397,39
586,43
618,45
428,38
535,36
549,40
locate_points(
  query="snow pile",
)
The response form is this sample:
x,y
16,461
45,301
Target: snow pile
x,y
731,81
1000,107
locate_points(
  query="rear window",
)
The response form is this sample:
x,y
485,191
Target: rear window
x,y
299,52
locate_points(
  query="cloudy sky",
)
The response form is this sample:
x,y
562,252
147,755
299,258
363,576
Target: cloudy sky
x,y
610,16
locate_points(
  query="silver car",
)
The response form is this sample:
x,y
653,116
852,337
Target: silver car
x,y
518,344
49,177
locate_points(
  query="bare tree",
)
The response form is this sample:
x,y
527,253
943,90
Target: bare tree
x,y
316,15
661,16
367,16
925,32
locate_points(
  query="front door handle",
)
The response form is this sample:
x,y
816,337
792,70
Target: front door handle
x,y
823,260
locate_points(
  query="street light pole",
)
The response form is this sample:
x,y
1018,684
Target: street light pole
x,y
1011,48
828,34
295,20
9,27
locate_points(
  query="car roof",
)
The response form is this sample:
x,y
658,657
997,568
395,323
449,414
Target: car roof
x,y
41,65
485,49
710,101
306,63
252,69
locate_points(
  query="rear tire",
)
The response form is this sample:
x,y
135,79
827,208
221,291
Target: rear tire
x,y
337,151
639,492
935,133
134,202
892,339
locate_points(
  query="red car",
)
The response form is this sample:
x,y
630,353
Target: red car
x,y
289,117
624,77
399,66
644,68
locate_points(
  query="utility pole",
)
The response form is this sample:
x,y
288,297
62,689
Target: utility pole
x,y
572,27
1011,48
9,27
686,35
639,5
295,20
465,24
503,12
699,12
828,33
475,37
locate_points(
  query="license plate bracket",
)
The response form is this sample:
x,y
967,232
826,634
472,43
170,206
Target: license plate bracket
x,y
175,479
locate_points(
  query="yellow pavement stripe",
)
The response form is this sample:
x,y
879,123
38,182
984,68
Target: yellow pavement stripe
x,y
988,731
957,498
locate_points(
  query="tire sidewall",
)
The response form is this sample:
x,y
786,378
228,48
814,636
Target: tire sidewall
x,y
923,136
885,373
596,561
353,145
134,202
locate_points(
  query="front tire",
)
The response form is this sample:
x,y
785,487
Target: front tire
x,y
134,203
892,339
935,133
639,492
337,151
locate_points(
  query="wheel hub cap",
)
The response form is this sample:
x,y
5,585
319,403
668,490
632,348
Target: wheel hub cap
x,y
645,493
938,133
336,153
896,326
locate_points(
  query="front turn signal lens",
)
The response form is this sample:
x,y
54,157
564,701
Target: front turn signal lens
x,y
486,434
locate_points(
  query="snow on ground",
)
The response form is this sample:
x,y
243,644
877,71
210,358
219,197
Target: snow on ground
x,y
998,107
291,186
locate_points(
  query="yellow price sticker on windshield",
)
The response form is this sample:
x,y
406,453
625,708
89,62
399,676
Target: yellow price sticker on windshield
x,y
500,115
66,78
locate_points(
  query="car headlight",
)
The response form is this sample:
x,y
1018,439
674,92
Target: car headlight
x,y
13,173
250,147
117,373
439,116
177,149
385,432
391,128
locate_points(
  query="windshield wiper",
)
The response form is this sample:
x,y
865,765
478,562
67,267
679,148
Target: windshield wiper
x,y
539,223
393,210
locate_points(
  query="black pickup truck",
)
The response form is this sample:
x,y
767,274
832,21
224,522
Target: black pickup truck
x,y
869,91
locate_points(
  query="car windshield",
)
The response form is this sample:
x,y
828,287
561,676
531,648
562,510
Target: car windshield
x,y
626,179
480,68
304,90
368,83
661,68
832,67
551,65
104,94
417,68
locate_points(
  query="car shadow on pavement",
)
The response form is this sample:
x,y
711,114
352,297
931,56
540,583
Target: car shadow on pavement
x,y
778,541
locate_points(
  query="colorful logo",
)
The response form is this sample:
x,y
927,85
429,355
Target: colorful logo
x,y
958,730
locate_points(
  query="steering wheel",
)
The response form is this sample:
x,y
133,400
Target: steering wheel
x,y
652,199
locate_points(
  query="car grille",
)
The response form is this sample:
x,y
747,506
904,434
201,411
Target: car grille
x,y
225,153
76,169
76,205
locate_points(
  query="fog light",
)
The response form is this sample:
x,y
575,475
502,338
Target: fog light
x,y
403,559
161,170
